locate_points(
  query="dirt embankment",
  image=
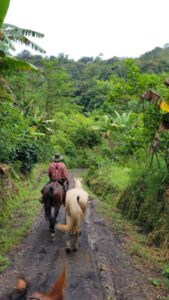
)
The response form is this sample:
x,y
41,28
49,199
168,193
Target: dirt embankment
x,y
100,270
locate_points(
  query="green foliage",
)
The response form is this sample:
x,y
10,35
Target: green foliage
x,y
4,263
155,61
28,154
14,33
83,137
108,180
8,63
166,271
12,127
91,112
145,202
155,281
137,251
18,206
152,118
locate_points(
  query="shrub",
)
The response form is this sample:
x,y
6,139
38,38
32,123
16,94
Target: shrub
x,y
86,137
146,202
28,154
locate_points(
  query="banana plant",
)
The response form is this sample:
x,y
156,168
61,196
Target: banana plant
x,y
4,5
11,33
13,64
121,120
104,126
40,125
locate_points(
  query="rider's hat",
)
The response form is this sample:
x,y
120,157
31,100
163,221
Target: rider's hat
x,y
58,157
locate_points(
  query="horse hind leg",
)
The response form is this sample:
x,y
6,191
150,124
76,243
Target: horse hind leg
x,y
68,249
52,223
53,219
52,237
76,240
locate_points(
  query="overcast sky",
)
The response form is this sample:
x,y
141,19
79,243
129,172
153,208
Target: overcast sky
x,y
125,28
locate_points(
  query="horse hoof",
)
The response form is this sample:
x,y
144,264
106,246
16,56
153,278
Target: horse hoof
x,y
68,250
52,237
75,249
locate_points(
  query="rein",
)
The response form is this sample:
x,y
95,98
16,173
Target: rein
x,y
34,298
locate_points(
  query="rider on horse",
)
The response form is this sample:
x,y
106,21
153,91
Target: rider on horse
x,y
57,172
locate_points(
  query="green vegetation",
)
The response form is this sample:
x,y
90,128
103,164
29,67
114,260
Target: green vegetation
x,y
109,183
19,204
4,5
90,110
146,202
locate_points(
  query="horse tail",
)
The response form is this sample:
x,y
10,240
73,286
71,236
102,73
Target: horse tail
x,y
75,214
58,287
65,227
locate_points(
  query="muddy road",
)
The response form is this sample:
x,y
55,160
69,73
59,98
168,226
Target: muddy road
x,y
101,269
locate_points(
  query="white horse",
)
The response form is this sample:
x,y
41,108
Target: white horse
x,y
75,210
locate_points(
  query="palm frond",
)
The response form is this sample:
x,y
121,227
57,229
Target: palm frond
x,y
6,40
28,32
25,41
13,33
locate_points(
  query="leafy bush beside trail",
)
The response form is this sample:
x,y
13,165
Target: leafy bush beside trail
x,y
140,193
146,202
108,182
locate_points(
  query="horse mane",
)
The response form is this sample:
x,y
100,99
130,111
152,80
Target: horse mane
x,y
78,182
56,292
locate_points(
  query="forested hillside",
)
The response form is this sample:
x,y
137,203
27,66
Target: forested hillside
x,y
155,61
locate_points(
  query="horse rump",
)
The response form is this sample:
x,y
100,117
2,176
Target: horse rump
x,y
74,214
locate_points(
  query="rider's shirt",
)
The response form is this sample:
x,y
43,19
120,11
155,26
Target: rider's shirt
x,y
57,170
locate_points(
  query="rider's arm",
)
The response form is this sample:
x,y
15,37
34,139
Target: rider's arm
x,y
65,173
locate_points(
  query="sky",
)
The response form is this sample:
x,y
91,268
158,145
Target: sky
x,y
77,28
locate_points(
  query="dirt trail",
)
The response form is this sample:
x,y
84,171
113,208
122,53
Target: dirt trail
x,y
101,269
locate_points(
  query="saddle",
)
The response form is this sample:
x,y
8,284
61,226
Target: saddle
x,y
61,182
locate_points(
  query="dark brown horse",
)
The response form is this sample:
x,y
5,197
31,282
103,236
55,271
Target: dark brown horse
x,y
53,197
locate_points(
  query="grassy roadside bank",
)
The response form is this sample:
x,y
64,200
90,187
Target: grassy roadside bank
x,y
107,186
18,207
